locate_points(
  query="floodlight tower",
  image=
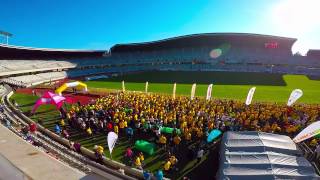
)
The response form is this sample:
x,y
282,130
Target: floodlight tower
x,y
6,35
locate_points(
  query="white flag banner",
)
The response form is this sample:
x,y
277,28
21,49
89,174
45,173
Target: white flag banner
x,y
146,88
112,139
310,131
174,90
294,96
193,90
250,95
209,90
123,87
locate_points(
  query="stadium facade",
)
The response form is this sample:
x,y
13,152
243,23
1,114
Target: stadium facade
x,y
238,52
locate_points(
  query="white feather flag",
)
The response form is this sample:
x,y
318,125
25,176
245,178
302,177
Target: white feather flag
x,y
250,95
174,90
123,87
209,91
112,139
193,90
294,96
146,89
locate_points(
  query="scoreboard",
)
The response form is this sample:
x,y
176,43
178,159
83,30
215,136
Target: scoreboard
x,y
271,45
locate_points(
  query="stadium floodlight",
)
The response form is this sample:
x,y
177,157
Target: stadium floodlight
x,y
6,35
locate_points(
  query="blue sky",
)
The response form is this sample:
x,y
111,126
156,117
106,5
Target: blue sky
x,y
99,24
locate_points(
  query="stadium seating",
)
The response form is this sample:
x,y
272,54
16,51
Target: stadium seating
x,y
9,67
30,80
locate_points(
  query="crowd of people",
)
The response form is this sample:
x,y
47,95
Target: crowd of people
x,y
135,115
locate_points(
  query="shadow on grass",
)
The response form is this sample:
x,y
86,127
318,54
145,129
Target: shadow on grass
x,y
315,78
218,78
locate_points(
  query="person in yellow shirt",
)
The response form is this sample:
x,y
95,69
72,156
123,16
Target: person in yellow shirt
x,y
89,131
163,141
121,126
188,136
116,129
167,166
100,150
62,123
141,156
137,162
313,142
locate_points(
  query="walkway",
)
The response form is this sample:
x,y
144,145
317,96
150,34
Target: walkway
x,y
28,162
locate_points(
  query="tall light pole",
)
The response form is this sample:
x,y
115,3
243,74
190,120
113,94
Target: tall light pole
x,y
6,35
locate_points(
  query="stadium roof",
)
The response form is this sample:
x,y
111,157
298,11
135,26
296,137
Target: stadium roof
x,y
256,155
314,53
20,52
206,39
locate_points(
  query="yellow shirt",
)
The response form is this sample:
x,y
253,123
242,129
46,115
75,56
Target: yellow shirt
x,y
62,123
167,165
116,129
121,124
163,140
313,142
89,131
141,157
100,149
188,136
137,162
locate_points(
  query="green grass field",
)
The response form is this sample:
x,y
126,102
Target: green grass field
x,y
227,85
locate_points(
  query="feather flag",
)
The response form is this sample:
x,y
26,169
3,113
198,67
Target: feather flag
x,y
174,90
193,90
209,90
250,95
294,96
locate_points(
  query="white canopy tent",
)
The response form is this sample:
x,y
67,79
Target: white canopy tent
x,y
255,155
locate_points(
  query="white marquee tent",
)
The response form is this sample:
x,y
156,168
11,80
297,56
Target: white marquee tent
x,y
256,155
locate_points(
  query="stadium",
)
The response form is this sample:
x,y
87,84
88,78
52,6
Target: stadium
x,y
141,93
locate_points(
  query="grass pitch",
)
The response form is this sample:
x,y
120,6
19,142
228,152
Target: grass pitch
x,y
227,85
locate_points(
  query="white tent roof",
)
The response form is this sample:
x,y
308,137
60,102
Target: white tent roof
x,y
256,155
